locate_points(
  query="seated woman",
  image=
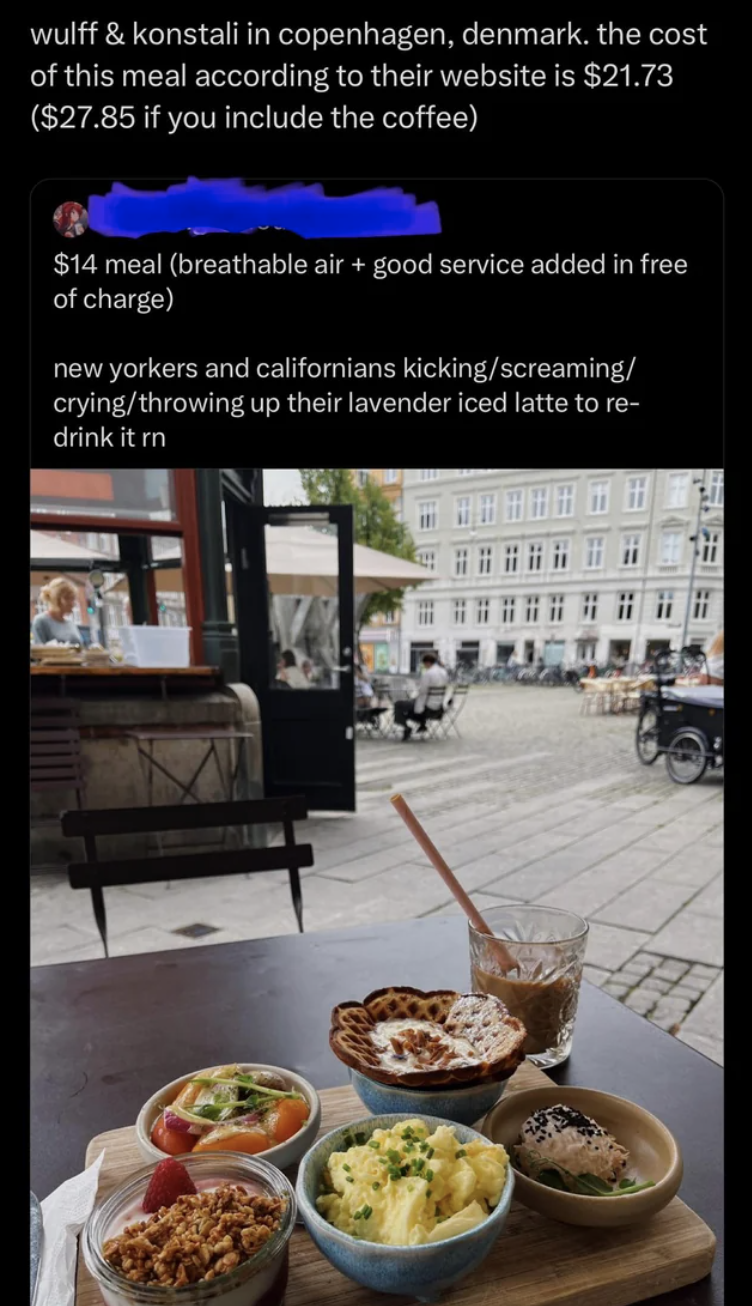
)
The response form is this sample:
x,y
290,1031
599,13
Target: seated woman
x,y
56,623
364,695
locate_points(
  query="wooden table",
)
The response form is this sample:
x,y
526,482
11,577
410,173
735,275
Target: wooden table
x,y
105,1034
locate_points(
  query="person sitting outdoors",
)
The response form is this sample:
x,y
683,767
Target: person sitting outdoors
x,y
55,624
364,695
290,673
406,709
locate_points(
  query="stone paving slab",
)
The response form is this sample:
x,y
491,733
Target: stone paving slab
x,y
692,936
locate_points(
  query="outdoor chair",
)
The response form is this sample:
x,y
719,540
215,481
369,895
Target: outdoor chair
x,y
434,713
370,718
452,709
593,697
55,760
97,875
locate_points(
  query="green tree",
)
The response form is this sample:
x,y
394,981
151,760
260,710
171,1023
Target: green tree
x,y
375,524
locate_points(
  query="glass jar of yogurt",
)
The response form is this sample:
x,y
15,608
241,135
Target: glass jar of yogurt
x,y
259,1281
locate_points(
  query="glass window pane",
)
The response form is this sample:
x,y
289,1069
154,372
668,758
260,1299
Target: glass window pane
x,y
138,493
303,574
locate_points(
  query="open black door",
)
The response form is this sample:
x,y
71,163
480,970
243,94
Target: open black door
x,y
293,585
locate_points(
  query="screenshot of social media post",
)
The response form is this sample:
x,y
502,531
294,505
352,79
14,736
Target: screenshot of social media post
x,y
376,814
168,310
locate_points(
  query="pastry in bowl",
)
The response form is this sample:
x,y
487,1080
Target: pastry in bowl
x,y
415,1039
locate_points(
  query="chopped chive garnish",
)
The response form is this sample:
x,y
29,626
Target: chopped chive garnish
x,y
424,1147
428,1194
372,1143
407,1133
461,1152
418,1164
367,1212
429,1175
346,1166
394,1173
349,1179
357,1215
394,1156
404,1170
375,1185
383,1161
430,1153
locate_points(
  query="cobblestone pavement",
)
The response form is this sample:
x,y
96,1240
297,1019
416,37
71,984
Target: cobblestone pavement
x,y
534,802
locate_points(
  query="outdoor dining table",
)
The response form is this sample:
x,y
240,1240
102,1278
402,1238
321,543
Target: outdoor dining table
x,y
106,1034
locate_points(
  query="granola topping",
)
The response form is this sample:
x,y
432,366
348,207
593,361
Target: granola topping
x,y
200,1236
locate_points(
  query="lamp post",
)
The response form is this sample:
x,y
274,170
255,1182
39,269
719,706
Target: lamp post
x,y
694,540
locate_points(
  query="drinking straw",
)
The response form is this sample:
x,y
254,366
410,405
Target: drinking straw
x,y
505,958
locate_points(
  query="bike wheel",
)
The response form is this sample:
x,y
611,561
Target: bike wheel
x,y
686,759
646,739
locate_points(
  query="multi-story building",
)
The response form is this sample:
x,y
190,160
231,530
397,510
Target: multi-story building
x,y
562,566
380,639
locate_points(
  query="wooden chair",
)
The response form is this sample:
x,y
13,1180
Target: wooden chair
x,y
55,760
97,875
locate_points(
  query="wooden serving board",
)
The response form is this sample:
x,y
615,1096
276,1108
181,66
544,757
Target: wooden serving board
x,y
536,1262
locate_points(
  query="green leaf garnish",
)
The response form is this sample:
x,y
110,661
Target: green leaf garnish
x,y
552,1179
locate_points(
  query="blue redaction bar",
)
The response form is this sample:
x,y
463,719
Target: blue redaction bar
x,y
233,206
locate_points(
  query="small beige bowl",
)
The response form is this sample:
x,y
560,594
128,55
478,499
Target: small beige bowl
x,y
281,1156
654,1154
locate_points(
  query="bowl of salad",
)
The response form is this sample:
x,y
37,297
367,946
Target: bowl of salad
x,y
248,1108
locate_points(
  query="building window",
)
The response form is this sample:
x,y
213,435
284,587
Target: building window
x,y
561,555
362,476
427,559
556,610
626,604
637,493
594,551
487,509
460,562
462,512
485,560
390,475
678,484
425,612
630,550
535,557
671,546
710,547
598,497
564,500
459,612
664,605
482,611
716,489
532,609
539,503
589,607
513,505
428,515
507,610
702,604
429,473
511,558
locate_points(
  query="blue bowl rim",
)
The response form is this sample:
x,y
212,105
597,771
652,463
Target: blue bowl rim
x,y
308,1210
437,1090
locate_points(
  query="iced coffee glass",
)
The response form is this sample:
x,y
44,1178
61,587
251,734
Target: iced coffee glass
x,y
541,987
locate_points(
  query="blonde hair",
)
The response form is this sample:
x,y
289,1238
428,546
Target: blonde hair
x,y
716,648
54,590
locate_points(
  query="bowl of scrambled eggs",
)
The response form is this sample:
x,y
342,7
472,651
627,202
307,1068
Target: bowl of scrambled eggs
x,y
405,1204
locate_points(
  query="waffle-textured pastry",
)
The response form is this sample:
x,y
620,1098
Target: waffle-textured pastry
x,y
416,1039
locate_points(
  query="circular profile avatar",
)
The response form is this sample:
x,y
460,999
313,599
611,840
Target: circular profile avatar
x,y
70,219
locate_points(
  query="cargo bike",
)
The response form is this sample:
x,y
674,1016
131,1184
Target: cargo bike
x,y
685,723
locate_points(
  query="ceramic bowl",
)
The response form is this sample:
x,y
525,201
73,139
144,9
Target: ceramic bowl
x,y
282,1156
463,1106
654,1154
422,1272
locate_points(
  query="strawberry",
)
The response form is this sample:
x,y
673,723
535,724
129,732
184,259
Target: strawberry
x,y
170,1181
